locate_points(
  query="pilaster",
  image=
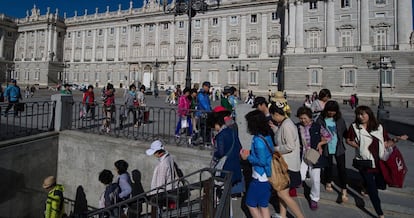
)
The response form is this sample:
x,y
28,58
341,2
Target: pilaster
x,y
223,53
205,39
263,53
405,24
331,46
291,39
365,45
243,40
299,27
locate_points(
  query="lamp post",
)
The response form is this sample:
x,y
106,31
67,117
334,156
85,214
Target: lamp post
x,y
189,7
240,68
156,66
385,63
280,11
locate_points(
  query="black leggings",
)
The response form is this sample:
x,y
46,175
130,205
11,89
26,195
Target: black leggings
x,y
373,181
340,166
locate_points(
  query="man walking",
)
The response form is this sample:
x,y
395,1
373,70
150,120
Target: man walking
x,y
12,95
54,202
203,107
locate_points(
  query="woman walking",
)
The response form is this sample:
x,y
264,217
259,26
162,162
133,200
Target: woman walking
x,y
312,136
370,139
259,156
331,119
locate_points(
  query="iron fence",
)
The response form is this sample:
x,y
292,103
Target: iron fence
x,y
142,123
29,118
204,193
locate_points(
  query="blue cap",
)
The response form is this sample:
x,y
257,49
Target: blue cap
x,y
13,81
207,83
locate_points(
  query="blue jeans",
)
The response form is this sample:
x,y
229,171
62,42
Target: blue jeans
x,y
373,181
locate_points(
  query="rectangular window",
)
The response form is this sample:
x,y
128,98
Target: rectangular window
x,y
151,27
380,38
233,49
89,32
181,24
349,77
253,18
100,32
345,3
137,28
69,35
112,31
195,77
346,38
165,26
213,77
315,77
274,16
233,77
197,23
387,78
380,15
122,52
96,77
253,50
164,51
274,47
313,5
163,76
273,78
313,39
380,2
214,22
109,76
214,49
253,77
179,76
79,34
124,29
233,20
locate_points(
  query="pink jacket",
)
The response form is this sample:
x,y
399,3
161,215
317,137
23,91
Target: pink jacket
x,y
183,105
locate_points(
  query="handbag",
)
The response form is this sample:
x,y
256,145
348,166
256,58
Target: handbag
x,y
279,179
361,164
394,168
311,156
184,123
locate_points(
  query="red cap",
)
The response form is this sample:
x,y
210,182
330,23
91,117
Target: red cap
x,y
219,109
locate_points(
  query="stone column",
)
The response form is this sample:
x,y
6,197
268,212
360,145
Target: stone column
x,y
45,53
25,46
55,42
93,45
292,27
143,40
34,46
205,39
405,23
128,54
2,35
49,43
263,53
331,45
243,33
117,43
299,27
172,39
223,54
365,45
105,44
157,40
83,46
72,56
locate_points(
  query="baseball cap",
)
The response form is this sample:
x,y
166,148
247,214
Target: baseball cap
x,y
155,146
13,81
207,83
259,100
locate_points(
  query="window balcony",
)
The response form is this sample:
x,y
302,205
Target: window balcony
x,y
233,56
384,47
274,55
196,56
214,56
315,50
349,48
253,55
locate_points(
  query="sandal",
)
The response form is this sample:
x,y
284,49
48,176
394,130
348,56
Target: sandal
x,y
328,187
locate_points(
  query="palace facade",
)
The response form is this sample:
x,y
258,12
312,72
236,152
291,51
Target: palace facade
x,y
328,45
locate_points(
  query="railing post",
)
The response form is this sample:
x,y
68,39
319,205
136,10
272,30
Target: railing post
x,y
63,111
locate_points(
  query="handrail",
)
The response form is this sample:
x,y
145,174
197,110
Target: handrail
x,y
201,197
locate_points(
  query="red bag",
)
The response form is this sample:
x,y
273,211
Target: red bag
x,y
394,169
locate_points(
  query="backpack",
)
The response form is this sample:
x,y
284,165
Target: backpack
x,y
279,179
114,193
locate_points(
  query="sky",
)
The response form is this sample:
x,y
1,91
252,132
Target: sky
x,y
17,8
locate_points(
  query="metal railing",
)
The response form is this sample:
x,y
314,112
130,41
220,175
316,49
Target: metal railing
x,y
348,48
150,123
384,47
315,50
204,193
31,118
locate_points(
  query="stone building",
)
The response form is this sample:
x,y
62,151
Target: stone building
x,y
328,45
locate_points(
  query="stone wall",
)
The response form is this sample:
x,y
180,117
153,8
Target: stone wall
x,y
24,163
82,156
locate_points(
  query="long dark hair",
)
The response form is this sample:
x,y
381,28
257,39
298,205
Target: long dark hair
x,y
373,123
331,105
